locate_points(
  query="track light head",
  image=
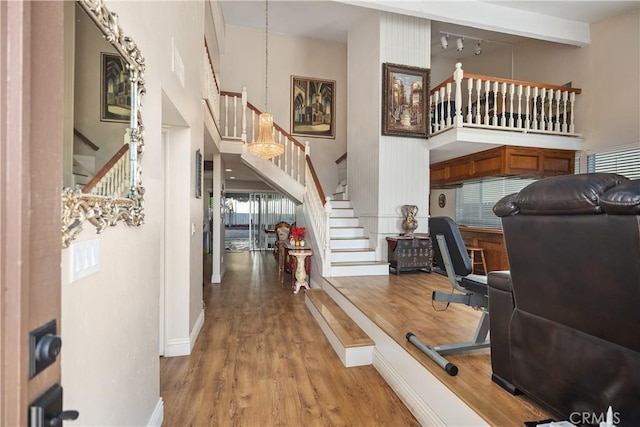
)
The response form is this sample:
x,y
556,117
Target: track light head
x,y
478,50
460,44
444,41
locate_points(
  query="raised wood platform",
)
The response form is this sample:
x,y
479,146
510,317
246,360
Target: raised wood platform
x,y
386,308
352,345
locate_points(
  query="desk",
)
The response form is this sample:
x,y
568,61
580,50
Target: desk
x,y
298,260
410,253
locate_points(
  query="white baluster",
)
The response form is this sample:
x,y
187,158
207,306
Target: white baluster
x,y
235,116
527,101
478,96
503,117
519,125
469,102
494,118
534,121
226,115
487,95
556,126
458,75
572,122
564,115
447,110
437,118
512,90
243,138
550,114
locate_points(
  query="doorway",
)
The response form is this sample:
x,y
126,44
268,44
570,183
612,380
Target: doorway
x,y
249,217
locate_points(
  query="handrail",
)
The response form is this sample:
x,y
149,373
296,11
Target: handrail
x,y
86,140
341,158
102,173
508,81
316,181
502,104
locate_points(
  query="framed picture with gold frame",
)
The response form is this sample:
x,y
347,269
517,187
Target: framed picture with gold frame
x,y
405,100
115,89
313,107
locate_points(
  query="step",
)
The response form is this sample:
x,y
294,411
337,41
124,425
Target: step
x,y
352,345
342,213
353,221
349,243
339,196
340,204
335,232
370,268
353,255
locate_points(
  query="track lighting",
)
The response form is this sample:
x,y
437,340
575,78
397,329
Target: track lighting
x,y
478,50
444,41
460,44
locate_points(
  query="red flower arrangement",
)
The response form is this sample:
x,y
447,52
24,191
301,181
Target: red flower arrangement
x,y
297,233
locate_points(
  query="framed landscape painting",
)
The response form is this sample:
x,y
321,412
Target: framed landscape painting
x,y
115,90
313,107
404,100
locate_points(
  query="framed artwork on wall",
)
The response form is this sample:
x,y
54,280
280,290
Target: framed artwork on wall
x,y
198,174
313,107
115,90
405,100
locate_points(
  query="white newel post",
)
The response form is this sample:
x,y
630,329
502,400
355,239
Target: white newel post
x,y
243,136
326,238
458,74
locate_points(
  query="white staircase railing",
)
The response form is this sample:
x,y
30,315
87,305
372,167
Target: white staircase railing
x,y
318,208
239,121
114,178
502,104
211,89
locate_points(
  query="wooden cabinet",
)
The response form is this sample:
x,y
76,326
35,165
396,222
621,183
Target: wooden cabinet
x,y
492,241
503,161
409,253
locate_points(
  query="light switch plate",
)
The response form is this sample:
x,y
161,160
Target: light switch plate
x,y
85,259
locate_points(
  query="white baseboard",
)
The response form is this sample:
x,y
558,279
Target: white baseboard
x,y
158,415
196,330
183,346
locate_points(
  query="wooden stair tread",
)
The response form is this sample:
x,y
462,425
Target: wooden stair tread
x,y
356,263
346,330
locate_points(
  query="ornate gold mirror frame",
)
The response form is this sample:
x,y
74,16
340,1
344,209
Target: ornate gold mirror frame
x,y
103,211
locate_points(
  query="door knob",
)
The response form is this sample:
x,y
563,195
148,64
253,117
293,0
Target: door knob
x,y
63,416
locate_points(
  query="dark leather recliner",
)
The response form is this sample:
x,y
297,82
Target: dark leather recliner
x,y
565,321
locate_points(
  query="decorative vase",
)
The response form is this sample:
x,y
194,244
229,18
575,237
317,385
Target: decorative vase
x,y
292,242
409,224
297,242
301,242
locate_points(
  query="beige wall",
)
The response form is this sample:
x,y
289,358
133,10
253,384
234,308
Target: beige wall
x,y
110,320
243,62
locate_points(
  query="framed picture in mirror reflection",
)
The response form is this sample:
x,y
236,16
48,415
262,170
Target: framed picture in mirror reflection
x,y
115,90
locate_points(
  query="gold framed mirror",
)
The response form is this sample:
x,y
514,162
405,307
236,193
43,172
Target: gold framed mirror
x,y
104,131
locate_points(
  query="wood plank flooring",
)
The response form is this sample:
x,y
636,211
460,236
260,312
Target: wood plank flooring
x,y
401,304
262,360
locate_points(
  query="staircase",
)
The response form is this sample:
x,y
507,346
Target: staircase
x,y
339,240
351,253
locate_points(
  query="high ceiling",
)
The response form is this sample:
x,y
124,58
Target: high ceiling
x,y
331,19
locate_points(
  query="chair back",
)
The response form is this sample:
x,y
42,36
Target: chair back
x,y
457,250
282,231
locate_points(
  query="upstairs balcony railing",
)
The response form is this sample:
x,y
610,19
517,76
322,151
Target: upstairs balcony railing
x,y
239,121
473,100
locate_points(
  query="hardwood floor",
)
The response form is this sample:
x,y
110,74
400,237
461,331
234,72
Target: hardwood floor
x,y
261,360
401,304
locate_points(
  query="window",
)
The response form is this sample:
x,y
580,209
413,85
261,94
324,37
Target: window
x,y
624,162
475,200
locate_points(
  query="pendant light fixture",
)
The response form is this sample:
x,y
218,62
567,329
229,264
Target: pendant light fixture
x,y
265,146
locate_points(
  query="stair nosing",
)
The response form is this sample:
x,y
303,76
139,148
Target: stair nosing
x,y
363,341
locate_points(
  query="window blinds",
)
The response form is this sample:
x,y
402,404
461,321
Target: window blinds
x,y
475,200
624,162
